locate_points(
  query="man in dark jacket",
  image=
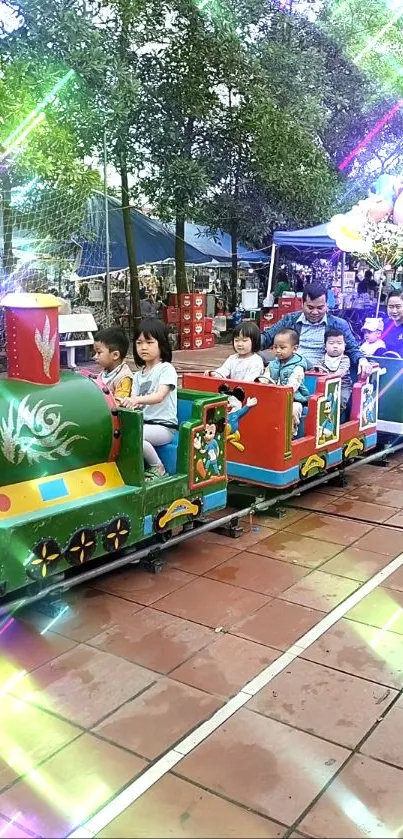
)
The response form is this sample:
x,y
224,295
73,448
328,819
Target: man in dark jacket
x,y
311,324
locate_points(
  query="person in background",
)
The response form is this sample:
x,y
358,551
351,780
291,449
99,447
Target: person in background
x,y
393,334
287,369
372,285
372,331
311,325
362,299
300,282
245,365
282,284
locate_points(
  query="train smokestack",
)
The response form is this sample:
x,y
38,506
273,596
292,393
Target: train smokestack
x,y
32,331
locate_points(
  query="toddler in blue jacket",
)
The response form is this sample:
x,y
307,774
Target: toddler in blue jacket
x,y
288,369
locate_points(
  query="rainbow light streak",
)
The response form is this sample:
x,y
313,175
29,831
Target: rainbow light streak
x,y
6,625
379,125
12,681
54,620
392,620
9,824
40,107
18,140
379,35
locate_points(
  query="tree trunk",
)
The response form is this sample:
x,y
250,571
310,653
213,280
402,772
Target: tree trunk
x,y
130,243
8,256
234,264
180,268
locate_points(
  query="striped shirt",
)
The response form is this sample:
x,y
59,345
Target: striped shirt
x,y
312,340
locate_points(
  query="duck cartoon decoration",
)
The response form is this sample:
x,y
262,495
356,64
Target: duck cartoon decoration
x,y
238,407
384,203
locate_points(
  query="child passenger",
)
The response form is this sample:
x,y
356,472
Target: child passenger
x,y
336,363
154,391
110,350
288,369
372,329
245,365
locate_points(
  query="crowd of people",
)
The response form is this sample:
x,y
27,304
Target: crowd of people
x,y
311,339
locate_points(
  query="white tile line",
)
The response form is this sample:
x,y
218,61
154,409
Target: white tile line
x,y
164,764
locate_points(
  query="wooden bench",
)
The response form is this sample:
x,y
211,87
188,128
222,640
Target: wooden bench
x,y
71,325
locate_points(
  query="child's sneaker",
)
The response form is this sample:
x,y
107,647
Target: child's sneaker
x,y
155,472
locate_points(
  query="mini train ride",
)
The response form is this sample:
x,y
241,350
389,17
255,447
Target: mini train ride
x,y
72,485
74,502
260,448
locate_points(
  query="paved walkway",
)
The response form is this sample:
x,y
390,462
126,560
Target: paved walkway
x,y
113,695
252,689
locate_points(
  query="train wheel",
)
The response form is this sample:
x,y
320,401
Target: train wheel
x,y
116,534
47,555
81,546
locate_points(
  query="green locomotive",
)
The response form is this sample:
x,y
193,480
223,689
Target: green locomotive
x,y
72,485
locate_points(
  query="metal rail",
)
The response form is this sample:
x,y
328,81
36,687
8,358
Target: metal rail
x,y
153,551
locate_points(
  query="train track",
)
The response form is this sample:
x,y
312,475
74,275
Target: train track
x,y
151,555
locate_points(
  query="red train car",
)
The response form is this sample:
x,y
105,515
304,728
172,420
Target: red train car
x,y
260,447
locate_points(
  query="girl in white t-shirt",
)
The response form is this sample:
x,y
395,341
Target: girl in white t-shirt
x,y
154,391
245,365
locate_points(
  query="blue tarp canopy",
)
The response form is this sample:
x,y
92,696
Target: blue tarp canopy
x,y
316,238
217,247
153,241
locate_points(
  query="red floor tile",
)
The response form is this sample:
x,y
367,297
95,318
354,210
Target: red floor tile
x,y
383,540
361,650
330,529
348,507
291,547
391,480
279,624
84,685
189,812
382,608
395,521
89,611
320,591
314,500
258,573
385,742
22,744
250,536
395,581
273,522
154,639
356,564
158,718
379,494
22,647
263,764
225,666
211,603
324,702
141,586
70,786
197,556
364,800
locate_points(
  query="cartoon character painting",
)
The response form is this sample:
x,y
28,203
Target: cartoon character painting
x,y
369,402
237,408
328,423
209,447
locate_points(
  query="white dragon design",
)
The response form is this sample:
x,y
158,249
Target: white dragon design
x,y
36,433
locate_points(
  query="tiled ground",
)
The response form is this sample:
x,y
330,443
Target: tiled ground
x,y
136,662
